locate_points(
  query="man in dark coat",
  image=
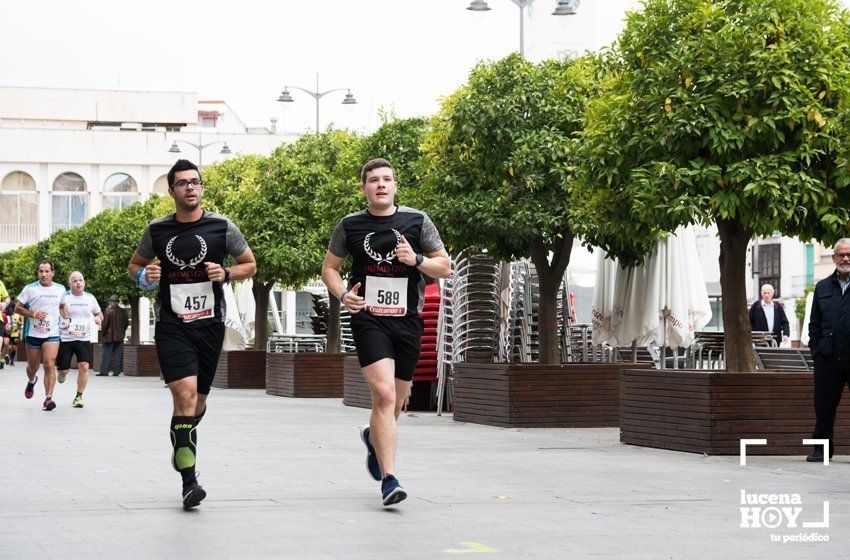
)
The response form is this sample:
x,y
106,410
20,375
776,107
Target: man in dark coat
x,y
768,315
115,323
829,340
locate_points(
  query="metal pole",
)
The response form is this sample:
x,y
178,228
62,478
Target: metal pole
x,y
522,31
756,268
318,96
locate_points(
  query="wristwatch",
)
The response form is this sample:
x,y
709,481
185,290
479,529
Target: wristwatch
x,y
419,258
227,275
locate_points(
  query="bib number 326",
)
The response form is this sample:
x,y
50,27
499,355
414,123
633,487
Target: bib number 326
x,y
191,302
386,296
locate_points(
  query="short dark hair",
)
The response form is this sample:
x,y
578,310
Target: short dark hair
x,y
373,164
44,261
181,165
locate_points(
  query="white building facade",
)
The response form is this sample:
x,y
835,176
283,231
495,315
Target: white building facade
x,y
65,155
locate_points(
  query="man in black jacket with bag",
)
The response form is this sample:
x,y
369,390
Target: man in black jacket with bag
x,y
768,315
829,340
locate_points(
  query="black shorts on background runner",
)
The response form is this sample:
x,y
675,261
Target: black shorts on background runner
x,y
376,338
184,352
80,348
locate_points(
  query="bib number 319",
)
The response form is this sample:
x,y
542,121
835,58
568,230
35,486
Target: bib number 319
x,y
386,296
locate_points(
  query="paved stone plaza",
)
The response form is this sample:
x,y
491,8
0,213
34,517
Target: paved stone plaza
x,y
287,479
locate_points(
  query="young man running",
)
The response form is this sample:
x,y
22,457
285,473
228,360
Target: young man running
x,y
39,303
77,308
391,248
190,247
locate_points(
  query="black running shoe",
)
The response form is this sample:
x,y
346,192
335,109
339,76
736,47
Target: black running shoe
x,y
30,390
193,494
392,491
371,458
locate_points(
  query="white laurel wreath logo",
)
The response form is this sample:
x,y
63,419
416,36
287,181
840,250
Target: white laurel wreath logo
x,y
376,255
180,262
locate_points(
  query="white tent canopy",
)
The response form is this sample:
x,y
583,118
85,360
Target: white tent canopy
x,y
665,300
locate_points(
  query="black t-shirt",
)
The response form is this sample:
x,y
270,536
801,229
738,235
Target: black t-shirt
x,y
391,288
186,294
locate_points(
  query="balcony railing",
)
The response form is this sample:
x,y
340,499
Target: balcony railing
x,y
18,234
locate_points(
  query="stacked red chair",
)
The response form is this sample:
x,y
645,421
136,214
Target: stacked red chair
x,y
426,369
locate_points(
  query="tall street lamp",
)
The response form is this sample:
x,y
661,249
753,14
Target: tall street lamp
x,y
286,97
175,149
562,8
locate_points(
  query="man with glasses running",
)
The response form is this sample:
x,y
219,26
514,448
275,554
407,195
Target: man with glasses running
x,y
78,307
190,248
39,304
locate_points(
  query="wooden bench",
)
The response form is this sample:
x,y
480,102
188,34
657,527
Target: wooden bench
x,y
355,389
140,360
241,369
711,411
304,374
538,395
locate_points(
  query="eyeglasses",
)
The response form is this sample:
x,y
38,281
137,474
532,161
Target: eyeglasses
x,y
841,256
183,184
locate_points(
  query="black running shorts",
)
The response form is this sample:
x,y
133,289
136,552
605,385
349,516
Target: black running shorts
x,y
399,338
79,348
186,351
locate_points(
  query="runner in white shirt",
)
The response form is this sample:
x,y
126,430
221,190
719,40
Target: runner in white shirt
x,y
77,309
39,303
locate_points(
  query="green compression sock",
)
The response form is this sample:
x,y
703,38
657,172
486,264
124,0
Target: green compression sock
x,y
185,442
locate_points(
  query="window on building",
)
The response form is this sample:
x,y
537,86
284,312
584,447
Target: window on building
x,y
769,266
161,185
119,191
18,209
70,201
207,119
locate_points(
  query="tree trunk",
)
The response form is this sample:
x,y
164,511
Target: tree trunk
x,y
334,335
135,320
261,293
549,276
738,339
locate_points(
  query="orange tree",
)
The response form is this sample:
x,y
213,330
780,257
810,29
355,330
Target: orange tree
x,y
731,112
501,164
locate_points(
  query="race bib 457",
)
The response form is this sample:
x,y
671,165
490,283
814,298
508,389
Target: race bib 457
x,y
191,302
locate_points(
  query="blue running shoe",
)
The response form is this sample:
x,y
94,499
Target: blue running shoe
x,y
371,458
392,491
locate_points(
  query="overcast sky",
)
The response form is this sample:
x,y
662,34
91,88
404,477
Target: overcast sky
x,y
401,55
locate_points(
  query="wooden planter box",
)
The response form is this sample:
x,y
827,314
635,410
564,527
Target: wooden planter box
x,y
356,390
710,412
538,395
241,369
140,360
304,374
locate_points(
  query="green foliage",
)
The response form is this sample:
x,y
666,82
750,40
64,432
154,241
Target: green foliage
x,y
502,155
107,241
800,305
399,142
19,268
276,202
731,110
